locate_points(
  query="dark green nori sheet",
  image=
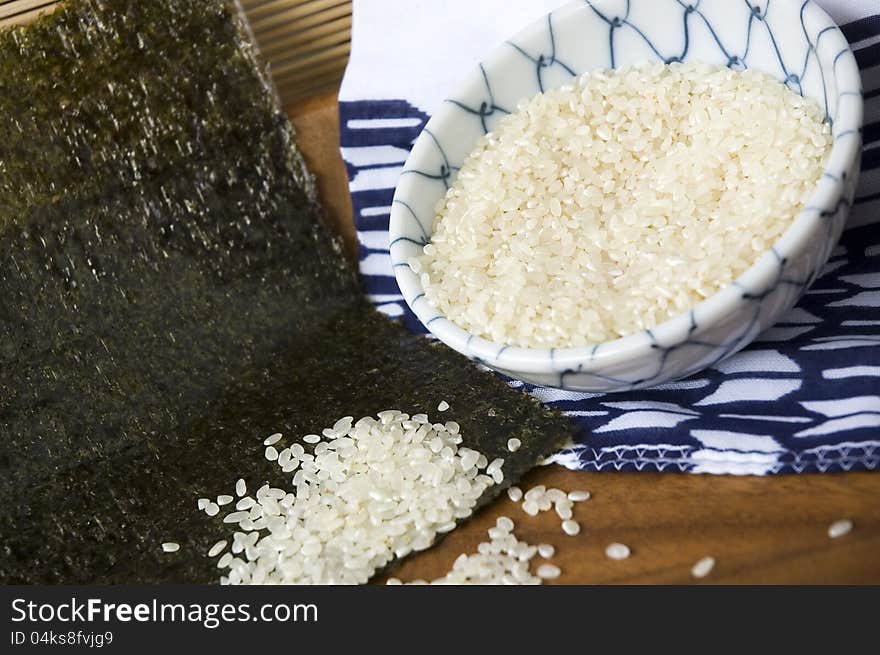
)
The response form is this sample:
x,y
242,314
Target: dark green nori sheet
x,y
169,296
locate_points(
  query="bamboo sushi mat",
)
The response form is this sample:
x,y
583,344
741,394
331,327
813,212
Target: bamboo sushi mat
x,y
307,42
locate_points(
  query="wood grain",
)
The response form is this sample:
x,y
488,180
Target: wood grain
x,y
760,530
22,12
307,42
316,121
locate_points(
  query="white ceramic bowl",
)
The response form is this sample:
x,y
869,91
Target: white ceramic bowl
x,y
793,40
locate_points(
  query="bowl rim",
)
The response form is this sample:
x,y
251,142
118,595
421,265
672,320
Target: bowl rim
x,y
829,191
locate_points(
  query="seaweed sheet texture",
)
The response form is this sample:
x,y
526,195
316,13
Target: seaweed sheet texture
x,y
169,296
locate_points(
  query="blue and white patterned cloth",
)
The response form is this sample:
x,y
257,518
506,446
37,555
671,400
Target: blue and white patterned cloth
x,y
805,397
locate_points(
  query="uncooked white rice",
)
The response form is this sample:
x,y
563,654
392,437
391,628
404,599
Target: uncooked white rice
x,y
564,509
617,551
274,542
217,548
513,444
170,547
504,523
503,560
443,406
571,528
494,470
541,499
612,204
548,571
840,528
703,568
370,491
546,550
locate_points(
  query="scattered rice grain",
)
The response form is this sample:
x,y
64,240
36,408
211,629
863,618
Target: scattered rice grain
x,y
272,439
504,523
571,528
217,548
703,568
617,551
548,571
840,528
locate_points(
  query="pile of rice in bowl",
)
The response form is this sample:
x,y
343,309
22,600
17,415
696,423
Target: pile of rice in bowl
x,y
612,204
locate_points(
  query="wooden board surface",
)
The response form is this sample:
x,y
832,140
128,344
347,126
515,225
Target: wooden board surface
x,y
760,530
